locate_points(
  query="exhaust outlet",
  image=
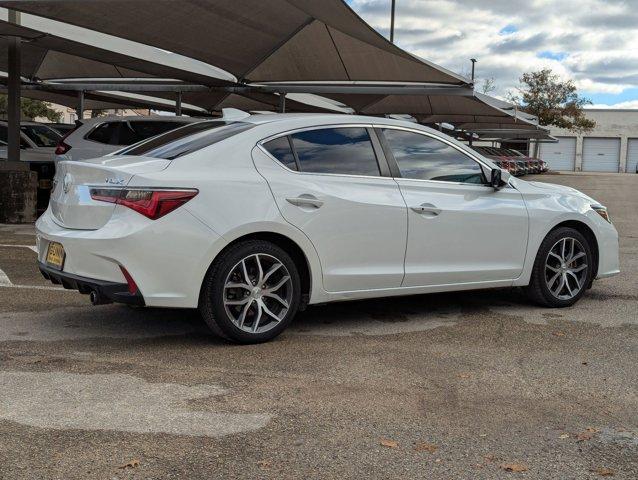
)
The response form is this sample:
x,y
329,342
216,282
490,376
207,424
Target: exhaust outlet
x,y
97,299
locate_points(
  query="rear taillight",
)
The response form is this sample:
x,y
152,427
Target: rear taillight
x,y
151,203
62,148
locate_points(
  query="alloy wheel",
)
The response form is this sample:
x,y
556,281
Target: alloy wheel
x,y
566,268
257,293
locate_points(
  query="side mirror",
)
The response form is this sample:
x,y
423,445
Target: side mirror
x,y
495,180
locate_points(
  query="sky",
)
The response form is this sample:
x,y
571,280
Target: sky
x,y
593,42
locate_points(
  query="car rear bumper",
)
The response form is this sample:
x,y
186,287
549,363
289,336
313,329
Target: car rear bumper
x,y
107,291
167,259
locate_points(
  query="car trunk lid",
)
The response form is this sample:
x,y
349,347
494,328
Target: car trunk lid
x,y
71,203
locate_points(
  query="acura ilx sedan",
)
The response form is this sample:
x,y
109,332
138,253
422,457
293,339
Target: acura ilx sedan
x,y
253,219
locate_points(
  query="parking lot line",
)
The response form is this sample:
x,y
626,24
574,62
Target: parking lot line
x,y
30,247
4,280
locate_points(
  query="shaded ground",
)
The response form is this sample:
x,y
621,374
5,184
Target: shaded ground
x,y
457,385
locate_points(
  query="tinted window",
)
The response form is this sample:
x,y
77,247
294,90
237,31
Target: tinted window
x,y
336,150
40,135
105,133
280,149
426,158
187,139
4,135
136,131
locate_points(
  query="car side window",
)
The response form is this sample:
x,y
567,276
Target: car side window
x,y
344,150
280,149
423,157
104,133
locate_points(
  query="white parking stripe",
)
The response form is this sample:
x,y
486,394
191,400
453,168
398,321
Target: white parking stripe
x,y
4,280
33,287
31,247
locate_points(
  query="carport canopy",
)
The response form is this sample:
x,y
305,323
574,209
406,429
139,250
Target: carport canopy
x,y
253,40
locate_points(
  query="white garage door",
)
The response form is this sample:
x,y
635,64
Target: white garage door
x,y
561,155
601,154
632,155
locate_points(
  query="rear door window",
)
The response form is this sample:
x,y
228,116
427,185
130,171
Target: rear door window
x,y
345,151
135,131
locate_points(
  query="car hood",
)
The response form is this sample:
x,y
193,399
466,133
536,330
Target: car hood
x,y
558,189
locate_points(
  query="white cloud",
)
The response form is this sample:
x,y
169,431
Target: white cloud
x,y
592,42
632,104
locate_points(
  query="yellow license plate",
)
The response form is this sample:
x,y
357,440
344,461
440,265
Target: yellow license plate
x,y
55,255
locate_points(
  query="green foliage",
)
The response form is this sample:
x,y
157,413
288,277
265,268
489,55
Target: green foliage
x,y
32,109
554,101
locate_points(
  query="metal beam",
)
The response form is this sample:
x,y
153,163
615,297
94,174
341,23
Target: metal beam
x,y
79,111
356,89
374,89
178,104
14,110
115,87
282,103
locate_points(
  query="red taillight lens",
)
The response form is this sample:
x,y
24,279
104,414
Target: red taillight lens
x,y
153,204
62,148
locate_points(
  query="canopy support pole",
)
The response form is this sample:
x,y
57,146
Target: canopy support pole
x,y
79,110
14,111
392,22
282,103
178,104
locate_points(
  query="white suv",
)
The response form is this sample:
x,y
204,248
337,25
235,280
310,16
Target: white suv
x,y
251,220
95,137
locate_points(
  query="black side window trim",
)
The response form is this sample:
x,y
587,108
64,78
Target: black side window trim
x,y
394,166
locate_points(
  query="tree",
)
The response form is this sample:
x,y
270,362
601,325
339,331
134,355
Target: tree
x,y
32,109
488,85
553,100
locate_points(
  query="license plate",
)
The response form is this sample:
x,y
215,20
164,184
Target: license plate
x,y
55,255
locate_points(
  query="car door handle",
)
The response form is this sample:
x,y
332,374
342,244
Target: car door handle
x,y
305,201
427,209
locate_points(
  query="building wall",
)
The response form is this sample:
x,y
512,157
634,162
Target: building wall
x,y
622,124
69,115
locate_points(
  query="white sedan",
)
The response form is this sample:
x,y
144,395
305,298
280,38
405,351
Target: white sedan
x,y
252,220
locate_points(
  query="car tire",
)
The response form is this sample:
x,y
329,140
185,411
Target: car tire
x,y
554,267
247,314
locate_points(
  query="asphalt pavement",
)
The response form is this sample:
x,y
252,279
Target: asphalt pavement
x,y
471,385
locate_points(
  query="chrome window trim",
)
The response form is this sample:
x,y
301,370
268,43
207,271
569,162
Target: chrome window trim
x,y
380,126
260,145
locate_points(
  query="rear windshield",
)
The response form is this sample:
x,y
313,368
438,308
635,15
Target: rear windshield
x,y
187,139
41,135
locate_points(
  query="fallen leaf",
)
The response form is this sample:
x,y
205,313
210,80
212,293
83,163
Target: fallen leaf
x,y
564,435
603,472
514,467
558,334
425,447
264,464
388,443
586,435
464,375
132,464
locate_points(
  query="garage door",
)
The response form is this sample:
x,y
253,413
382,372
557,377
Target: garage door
x,y
632,155
601,154
561,155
